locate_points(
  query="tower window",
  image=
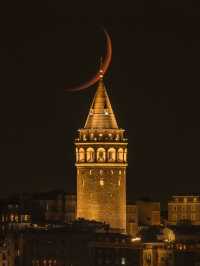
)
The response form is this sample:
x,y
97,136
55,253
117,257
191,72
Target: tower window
x,y
120,155
106,111
101,181
185,200
117,137
101,155
90,155
111,155
81,155
125,155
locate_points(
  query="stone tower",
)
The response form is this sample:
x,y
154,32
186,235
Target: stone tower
x,y
101,161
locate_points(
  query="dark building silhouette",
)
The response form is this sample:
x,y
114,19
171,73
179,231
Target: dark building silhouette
x,y
81,243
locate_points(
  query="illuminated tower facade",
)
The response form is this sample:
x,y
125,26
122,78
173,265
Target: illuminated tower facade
x,y
101,161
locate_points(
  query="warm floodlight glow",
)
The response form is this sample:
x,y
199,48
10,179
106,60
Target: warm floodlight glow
x,y
135,239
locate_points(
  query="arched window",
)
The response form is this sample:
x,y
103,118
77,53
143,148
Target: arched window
x,y
120,155
111,155
101,155
81,155
90,155
125,155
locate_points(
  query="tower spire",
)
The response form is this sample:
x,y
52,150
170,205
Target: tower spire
x,y
101,114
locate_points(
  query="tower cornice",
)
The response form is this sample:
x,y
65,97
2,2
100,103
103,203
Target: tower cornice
x,y
102,164
100,143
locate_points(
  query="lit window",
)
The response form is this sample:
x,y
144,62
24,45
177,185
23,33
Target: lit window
x,y
125,155
120,155
101,155
105,111
117,137
26,217
90,155
101,182
16,218
111,155
12,217
123,261
185,200
81,155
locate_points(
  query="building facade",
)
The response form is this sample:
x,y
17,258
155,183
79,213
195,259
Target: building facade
x,y
157,254
70,208
148,212
184,209
101,161
131,219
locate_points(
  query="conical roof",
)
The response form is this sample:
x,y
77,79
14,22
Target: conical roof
x,y
101,114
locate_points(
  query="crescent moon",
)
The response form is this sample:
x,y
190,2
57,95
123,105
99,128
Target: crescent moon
x,y
104,66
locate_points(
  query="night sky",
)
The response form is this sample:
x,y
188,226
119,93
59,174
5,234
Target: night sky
x,y
153,83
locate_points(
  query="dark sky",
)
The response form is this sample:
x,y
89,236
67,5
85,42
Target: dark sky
x,y
153,83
